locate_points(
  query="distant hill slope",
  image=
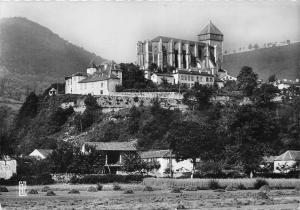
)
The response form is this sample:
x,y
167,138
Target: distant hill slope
x,y
283,61
32,57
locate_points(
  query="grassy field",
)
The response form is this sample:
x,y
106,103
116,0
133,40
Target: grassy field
x,y
204,183
159,198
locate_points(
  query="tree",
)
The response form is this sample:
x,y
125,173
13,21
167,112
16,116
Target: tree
x,y
253,132
256,46
190,140
132,163
198,97
134,119
152,67
250,46
91,102
264,94
247,80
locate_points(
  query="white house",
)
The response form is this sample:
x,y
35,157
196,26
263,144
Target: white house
x,y
41,154
290,158
224,76
8,167
167,162
191,77
98,80
158,78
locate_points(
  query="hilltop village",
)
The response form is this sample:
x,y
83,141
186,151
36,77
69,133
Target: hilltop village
x,y
176,111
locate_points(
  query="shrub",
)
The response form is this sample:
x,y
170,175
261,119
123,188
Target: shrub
x,y
50,193
45,189
108,178
230,188
3,189
213,184
265,189
128,191
33,191
241,186
148,188
116,187
92,189
175,190
191,188
40,179
259,183
74,191
99,187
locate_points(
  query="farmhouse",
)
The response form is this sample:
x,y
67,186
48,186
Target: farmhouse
x,y
286,161
98,80
41,154
167,162
114,153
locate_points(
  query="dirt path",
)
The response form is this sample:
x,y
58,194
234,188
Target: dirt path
x,y
160,199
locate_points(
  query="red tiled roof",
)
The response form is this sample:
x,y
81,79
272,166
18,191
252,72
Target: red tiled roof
x,y
289,155
113,146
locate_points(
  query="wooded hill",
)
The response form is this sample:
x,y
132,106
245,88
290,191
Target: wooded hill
x,y
283,61
33,57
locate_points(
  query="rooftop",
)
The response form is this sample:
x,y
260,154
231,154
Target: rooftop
x,y
98,77
113,146
211,29
195,73
156,154
289,155
45,152
168,39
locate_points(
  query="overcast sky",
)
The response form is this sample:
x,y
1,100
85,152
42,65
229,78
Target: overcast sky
x,y
112,29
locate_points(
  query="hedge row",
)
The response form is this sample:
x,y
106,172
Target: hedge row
x,y
292,174
41,179
108,178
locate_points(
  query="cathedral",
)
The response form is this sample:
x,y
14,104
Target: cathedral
x,y
203,55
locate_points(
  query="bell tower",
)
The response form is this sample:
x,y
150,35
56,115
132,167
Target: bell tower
x,y
212,36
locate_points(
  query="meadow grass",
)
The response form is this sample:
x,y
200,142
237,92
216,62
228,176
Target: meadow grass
x,y
163,183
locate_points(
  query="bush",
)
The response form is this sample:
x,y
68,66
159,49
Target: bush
x,y
40,179
241,186
74,191
99,186
259,183
148,188
213,184
107,178
45,189
50,193
128,191
116,187
33,191
92,189
191,188
3,189
175,190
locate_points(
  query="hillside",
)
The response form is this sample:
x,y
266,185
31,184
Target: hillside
x,y
32,57
283,61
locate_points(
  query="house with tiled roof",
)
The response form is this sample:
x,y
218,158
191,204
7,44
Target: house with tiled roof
x,y
98,80
290,160
167,162
41,153
114,153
